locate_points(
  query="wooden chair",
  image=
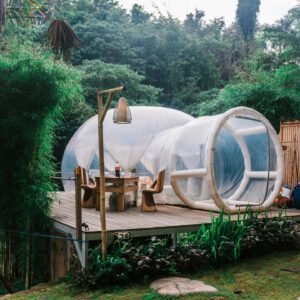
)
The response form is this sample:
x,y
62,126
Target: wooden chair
x,y
148,204
89,186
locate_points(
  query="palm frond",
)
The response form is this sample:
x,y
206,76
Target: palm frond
x,y
62,39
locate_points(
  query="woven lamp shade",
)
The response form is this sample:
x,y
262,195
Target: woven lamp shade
x,y
122,114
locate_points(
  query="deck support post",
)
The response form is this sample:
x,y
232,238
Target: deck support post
x,y
78,212
68,254
82,249
85,253
174,239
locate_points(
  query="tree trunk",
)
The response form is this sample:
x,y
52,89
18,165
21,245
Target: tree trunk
x,y
3,8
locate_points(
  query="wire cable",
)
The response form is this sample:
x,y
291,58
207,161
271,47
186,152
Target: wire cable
x,y
43,235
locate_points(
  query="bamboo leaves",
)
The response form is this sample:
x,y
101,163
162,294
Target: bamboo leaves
x,y
35,90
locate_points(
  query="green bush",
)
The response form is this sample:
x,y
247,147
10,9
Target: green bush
x,y
100,75
202,97
33,94
3,292
273,102
75,114
112,271
151,258
221,241
263,234
275,95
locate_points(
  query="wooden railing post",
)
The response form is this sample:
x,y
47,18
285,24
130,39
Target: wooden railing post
x,y
78,211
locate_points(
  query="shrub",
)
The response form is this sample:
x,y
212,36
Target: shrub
x,y
151,258
275,95
221,241
33,93
268,234
112,271
99,74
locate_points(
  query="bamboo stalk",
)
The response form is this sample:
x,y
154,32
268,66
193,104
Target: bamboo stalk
x,y
78,211
109,99
2,253
6,257
114,90
102,179
28,259
101,116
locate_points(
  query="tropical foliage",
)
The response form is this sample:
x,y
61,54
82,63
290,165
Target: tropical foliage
x,y
246,16
215,244
198,66
33,93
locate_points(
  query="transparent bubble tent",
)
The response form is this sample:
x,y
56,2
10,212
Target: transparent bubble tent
x,y
227,161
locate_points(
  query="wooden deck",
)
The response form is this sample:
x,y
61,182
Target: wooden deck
x,y
168,219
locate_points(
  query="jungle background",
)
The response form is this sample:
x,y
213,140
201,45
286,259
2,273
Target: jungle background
x,y
197,66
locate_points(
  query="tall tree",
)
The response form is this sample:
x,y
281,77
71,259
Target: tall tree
x,y
246,17
3,8
283,38
138,14
194,22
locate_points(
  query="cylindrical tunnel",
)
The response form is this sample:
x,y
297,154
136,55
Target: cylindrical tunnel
x,y
227,161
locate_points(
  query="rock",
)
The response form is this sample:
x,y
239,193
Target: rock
x,y
42,287
6,296
176,286
238,292
293,269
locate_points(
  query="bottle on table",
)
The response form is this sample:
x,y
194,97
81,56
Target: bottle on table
x,y
117,170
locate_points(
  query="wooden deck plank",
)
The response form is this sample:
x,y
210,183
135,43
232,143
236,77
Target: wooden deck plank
x,y
166,219
135,218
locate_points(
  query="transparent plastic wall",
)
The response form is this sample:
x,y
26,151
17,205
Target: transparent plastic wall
x,y
227,161
125,143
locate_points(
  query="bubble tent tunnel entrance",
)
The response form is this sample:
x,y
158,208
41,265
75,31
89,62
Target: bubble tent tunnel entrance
x,y
222,162
251,180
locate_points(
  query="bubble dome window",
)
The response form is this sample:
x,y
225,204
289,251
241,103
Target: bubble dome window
x,y
124,143
228,161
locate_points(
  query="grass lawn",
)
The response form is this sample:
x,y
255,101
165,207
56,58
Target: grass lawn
x,y
255,278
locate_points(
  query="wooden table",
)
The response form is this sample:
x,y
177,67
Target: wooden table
x,y
119,185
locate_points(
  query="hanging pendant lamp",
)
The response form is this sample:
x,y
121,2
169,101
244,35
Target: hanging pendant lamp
x,y
122,114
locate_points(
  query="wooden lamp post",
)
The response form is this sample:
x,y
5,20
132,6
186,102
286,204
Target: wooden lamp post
x,y
121,116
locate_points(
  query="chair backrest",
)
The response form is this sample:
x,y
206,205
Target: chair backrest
x,y
160,181
84,179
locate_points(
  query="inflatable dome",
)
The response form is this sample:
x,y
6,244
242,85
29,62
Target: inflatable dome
x,y
227,161
124,143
